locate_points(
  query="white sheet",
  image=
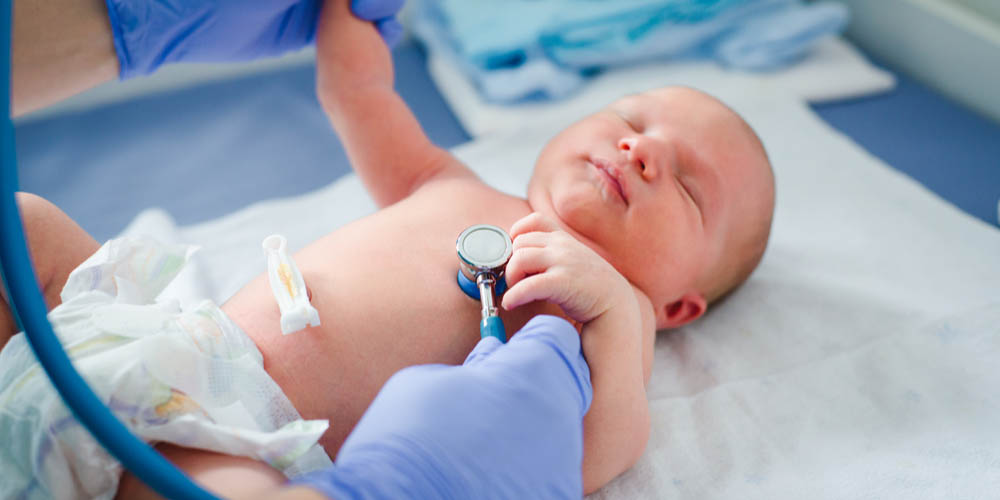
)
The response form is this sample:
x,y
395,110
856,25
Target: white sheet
x,y
835,70
859,360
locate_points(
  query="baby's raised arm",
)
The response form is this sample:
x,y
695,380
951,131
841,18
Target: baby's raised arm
x,y
549,264
385,143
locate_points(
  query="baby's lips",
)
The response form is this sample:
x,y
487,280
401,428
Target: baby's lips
x,y
616,173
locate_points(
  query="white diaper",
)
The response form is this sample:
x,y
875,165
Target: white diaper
x,y
189,377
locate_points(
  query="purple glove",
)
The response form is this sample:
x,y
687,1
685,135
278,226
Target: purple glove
x,y
150,33
506,424
383,14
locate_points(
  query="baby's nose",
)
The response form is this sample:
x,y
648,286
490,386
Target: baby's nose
x,y
637,152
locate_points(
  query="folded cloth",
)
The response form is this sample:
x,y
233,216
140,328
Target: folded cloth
x,y
515,50
186,376
781,37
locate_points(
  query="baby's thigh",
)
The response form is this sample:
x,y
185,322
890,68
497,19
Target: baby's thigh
x,y
224,475
56,243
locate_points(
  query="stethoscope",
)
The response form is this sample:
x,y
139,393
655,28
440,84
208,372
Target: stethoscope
x,y
483,252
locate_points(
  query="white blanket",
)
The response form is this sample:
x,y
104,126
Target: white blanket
x,y
835,70
859,360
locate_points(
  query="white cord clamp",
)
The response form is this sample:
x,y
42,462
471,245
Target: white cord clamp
x,y
288,287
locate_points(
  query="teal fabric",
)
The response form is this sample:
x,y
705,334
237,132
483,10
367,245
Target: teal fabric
x,y
490,32
517,50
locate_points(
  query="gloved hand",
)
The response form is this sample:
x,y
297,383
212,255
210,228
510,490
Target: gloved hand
x,y
383,14
506,424
150,33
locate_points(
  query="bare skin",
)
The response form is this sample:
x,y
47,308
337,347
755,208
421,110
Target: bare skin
x,y
59,48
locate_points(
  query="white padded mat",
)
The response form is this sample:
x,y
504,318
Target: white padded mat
x,y
859,360
834,70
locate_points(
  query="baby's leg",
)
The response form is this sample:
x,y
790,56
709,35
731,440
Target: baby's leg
x,y
225,475
57,245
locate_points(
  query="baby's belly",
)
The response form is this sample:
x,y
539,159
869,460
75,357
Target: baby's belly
x,y
387,300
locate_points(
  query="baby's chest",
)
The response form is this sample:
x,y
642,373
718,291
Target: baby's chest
x,y
393,277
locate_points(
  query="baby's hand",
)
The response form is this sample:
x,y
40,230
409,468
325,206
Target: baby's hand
x,y
549,264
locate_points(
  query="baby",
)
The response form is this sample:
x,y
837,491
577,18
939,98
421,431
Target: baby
x,y
636,218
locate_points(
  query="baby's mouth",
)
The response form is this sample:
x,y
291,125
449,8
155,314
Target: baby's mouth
x,y
610,175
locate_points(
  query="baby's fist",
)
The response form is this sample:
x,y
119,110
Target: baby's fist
x,y
549,264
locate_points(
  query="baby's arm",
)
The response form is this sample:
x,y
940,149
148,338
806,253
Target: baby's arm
x,y
549,264
384,141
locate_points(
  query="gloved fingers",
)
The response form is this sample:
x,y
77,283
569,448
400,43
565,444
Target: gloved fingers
x,y
544,351
309,11
372,10
483,350
391,30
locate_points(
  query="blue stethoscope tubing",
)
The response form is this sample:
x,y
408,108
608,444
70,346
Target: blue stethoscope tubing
x,y
490,326
29,309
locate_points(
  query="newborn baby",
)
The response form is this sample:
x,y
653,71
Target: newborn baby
x,y
636,218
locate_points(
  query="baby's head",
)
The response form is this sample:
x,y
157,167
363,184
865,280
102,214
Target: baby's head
x,y
671,187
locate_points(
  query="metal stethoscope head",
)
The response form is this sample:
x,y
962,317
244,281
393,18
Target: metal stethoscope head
x,y
483,252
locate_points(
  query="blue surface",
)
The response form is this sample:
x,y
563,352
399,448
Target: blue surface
x,y
103,166
112,162
946,147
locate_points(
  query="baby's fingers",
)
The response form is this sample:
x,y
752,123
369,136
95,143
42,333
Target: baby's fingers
x,y
532,239
535,287
534,221
524,263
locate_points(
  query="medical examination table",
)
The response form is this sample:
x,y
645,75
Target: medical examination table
x,y
857,362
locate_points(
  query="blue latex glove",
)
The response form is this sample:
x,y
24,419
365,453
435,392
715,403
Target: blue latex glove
x,y
150,33
383,14
506,424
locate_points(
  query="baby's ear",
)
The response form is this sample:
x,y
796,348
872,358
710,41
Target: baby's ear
x,y
681,311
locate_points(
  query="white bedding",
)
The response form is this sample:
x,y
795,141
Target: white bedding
x,y
834,70
859,360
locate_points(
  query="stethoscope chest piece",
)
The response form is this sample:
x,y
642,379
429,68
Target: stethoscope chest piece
x,y
483,248
483,252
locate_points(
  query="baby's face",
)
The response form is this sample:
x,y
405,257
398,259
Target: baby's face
x,y
653,183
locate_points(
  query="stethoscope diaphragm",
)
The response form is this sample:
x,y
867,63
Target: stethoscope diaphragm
x,y
483,252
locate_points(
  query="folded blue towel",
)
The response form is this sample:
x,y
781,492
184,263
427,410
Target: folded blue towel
x,y
497,33
517,49
781,37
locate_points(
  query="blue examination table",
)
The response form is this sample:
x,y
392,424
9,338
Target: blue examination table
x,y
264,136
